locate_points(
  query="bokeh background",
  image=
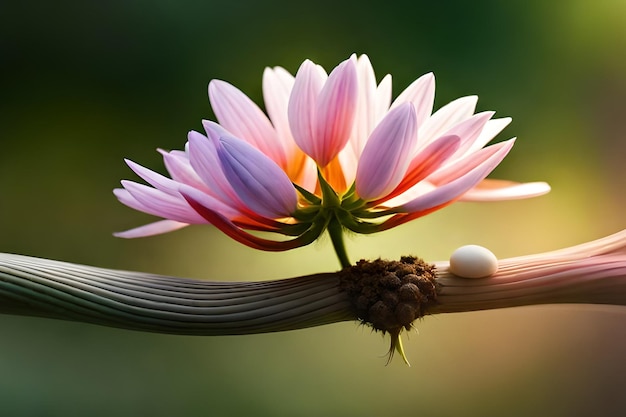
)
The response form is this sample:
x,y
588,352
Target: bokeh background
x,y
85,84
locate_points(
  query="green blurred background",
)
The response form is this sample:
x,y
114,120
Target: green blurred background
x,y
85,84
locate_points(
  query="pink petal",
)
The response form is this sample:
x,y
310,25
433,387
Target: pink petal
x,y
277,86
214,131
243,118
155,179
385,159
335,109
446,117
205,162
245,217
179,167
234,232
495,190
261,184
303,104
421,93
156,202
425,163
127,199
398,199
445,194
368,113
462,166
469,130
151,229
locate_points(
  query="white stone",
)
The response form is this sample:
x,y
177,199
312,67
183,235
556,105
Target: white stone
x,y
473,261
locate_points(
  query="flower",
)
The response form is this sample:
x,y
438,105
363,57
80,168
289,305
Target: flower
x,y
332,152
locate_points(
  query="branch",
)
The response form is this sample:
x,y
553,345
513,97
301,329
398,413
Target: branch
x,y
594,272
157,303
590,273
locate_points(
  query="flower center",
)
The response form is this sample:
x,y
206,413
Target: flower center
x,y
390,295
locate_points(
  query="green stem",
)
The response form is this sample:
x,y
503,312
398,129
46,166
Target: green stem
x,y
336,236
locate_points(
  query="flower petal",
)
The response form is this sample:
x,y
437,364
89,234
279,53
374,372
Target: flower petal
x,y
421,93
449,192
469,130
365,107
243,118
463,165
277,86
490,130
156,202
158,181
425,163
385,158
151,229
336,105
205,162
178,165
241,236
127,199
446,117
383,97
496,190
261,184
303,104
371,106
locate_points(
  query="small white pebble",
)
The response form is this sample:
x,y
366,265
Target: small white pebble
x,y
473,261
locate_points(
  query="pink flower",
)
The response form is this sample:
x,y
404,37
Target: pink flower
x,y
333,151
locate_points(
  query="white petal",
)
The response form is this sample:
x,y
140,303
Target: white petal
x,y
277,86
496,190
383,98
446,117
365,115
490,131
